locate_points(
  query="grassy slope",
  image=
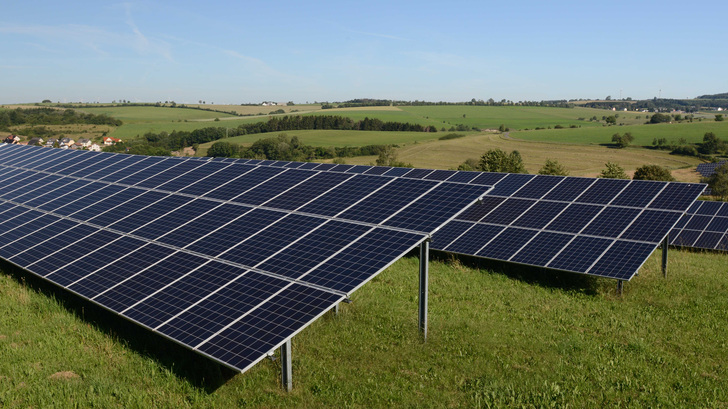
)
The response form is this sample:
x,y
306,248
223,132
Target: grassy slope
x,y
580,160
643,134
513,339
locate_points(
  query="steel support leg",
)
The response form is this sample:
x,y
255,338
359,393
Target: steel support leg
x,y
665,244
620,287
424,267
286,367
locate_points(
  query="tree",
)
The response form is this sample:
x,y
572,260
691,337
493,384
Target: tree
x,y
718,182
613,171
718,117
653,172
469,164
622,141
659,118
612,120
503,128
222,149
553,167
388,157
495,160
712,144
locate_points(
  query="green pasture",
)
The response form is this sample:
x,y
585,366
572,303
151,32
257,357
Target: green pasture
x,y
643,134
337,138
151,114
499,336
580,160
516,117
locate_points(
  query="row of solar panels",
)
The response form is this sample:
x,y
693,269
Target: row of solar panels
x,y
707,170
601,227
704,226
228,259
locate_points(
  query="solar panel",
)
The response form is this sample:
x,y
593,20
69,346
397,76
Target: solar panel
x,y
704,226
708,169
601,227
227,259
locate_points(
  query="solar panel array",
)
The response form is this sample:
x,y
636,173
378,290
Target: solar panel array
x,y
228,259
601,227
708,169
704,226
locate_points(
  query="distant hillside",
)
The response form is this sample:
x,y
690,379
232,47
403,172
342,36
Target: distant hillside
x,y
714,96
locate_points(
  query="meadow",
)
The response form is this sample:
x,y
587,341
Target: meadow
x,y
643,134
499,336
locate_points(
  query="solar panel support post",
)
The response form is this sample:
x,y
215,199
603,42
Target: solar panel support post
x,y
424,271
620,287
286,366
665,244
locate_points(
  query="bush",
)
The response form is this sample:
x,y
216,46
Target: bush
x,y
495,160
687,150
653,172
553,167
613,171
718,182
622,141
660,118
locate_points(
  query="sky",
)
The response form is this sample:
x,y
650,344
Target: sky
x,y
250,52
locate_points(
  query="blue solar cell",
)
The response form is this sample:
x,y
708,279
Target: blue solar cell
x,y
183,293
418,173
146,282
708,240
723,243
124,204
539,186
220,308
441,174
574,218
486,178
540,214
611,222
217,179
230,234
697,222
54,260
509,211
169,173
603,191
244,183
117,169
378,170
270,325
139,171
580,254
677,196
474,239
356,265
708,208
651,225
267,241
507,243
437,205
542,248
723,211
314,248
148,214
449,232
397,171
307,191
341,168
622,260
173,220
274,187
464,177
510,184
202,225
345,195
639,193
478,210
718,224
685,238
136,260
359,169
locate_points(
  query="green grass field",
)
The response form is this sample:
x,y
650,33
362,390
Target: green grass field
x,y
643,134
513,338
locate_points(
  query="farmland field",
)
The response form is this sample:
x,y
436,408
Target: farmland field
x,y
578,159
643,134
510,337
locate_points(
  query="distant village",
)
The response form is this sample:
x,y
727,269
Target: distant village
x,y
64,143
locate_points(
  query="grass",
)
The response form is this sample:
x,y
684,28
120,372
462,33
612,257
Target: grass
x,y
517,338
580,160
643,134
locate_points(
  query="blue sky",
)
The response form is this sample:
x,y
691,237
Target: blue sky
x,y
241,52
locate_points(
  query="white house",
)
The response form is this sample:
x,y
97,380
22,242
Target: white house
x,y
94,147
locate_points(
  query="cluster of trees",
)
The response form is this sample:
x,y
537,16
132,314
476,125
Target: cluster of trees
x,y
718,182
283,147
622,141
50,116
496,160
179,139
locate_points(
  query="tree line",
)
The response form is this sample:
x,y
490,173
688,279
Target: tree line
x,y
50,116
283,147
176,140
